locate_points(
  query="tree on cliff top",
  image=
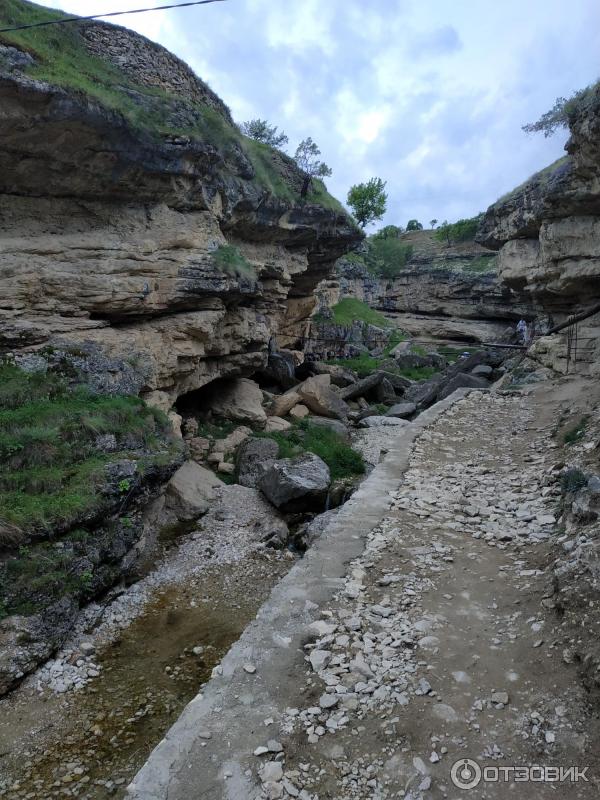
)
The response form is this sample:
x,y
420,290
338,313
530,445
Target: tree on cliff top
x,y
307,158
368,201
561,113
261,131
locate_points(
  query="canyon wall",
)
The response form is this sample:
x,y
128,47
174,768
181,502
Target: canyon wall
x,y
446,291
547,233
176,250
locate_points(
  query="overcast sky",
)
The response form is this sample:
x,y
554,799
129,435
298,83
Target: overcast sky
x,y
429,95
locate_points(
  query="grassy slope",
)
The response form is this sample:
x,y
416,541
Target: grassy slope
x,y
63,60
350,310
50,468
540,178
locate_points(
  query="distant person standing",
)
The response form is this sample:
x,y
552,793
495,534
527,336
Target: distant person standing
x,y
522,331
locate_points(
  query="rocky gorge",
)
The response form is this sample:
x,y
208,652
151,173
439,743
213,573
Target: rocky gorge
x,y
221,429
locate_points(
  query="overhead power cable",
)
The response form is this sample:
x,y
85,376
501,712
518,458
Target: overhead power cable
x,y
109,14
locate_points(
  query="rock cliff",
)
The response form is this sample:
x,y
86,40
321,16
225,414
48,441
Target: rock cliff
x,y
547,232
134,215
147,248
445,291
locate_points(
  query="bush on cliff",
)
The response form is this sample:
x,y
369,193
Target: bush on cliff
x,y
463,230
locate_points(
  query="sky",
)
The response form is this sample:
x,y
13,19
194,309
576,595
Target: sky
x,y
429,95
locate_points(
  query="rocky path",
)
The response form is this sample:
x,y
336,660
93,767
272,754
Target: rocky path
x,y
439,647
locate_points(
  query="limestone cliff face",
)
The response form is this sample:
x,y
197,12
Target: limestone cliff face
x,y
547,232
109,229
448,291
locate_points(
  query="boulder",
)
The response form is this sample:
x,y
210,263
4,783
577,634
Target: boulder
x,y
399,382
254,457
380,422
277,424
411,360
231,443
199,447
339,376
190,491
362,387
482,371
384,392
332,424
240,399
316,393
297,484
280,368
401,410
284,403
300,411
424,393
461,381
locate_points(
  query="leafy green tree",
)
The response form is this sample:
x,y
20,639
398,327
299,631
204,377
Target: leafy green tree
x,y
387,256
414,225
261,131
307,157
463,230
368,201
433,222
389,232
560,115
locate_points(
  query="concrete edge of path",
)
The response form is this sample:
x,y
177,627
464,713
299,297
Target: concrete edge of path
x,y
205,753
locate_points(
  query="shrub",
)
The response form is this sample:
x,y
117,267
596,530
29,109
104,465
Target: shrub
x,y
342,460
572,480
463,230
387,256
350,310
261,131
229,259
577,432
561,114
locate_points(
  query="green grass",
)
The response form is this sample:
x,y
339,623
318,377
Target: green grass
x,y
482,263
42,573
542,177
62,59
577,432
229,259
364,365
350,310
50,469
342,460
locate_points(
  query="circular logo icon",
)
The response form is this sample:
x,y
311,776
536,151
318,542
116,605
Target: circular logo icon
x,y
465,773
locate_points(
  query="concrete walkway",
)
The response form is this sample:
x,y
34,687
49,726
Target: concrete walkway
x,y
409,639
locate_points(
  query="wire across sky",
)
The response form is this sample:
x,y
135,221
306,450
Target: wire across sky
x,y
108,14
